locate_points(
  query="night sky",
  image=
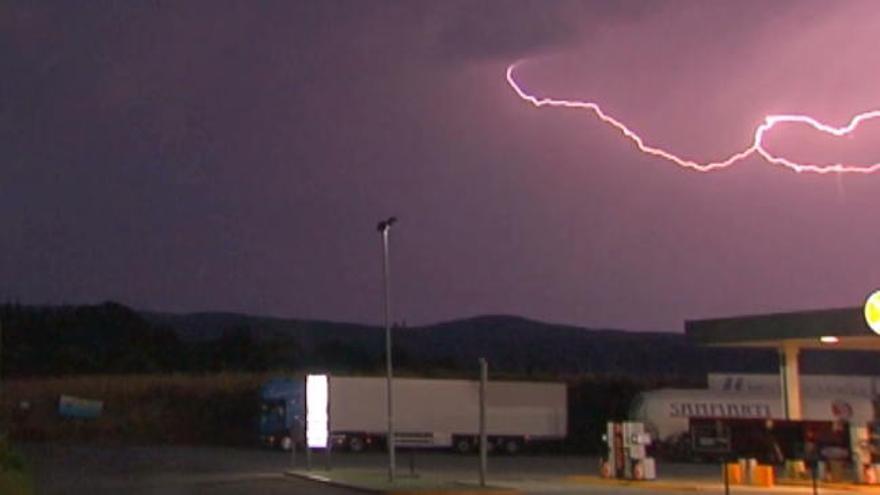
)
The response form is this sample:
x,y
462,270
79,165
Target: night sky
x,y
236,156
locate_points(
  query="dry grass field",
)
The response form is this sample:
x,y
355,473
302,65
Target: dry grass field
x,y
219,409
222,408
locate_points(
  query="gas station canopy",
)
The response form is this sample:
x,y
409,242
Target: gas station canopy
x,y
825,329
841,329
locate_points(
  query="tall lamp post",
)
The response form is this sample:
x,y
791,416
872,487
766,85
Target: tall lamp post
x,y
384,227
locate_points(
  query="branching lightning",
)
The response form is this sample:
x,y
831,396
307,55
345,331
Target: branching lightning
x,y
756,147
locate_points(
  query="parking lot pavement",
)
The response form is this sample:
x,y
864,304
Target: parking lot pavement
x,y
65,469
569,475
93,470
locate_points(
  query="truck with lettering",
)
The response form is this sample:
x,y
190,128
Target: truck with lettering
x,y
347,412
667,412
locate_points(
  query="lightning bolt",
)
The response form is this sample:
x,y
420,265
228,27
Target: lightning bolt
x,y
756,147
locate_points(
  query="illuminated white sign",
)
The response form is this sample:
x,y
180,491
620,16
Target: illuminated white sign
x,y
872,311
317,413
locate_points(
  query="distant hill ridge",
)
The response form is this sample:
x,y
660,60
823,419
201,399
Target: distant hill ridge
x,y
521,345
112,338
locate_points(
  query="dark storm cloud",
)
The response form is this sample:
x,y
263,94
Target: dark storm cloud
x,y
513,30
145,76
236,155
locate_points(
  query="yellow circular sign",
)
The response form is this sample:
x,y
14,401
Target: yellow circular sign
x,y
872,311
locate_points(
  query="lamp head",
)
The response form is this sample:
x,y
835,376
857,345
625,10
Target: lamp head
x,y
386,224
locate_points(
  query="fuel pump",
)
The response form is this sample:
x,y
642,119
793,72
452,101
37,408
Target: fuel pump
x,y
627,452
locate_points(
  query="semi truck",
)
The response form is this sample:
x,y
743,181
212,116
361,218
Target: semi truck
x,y
350,413
693,424
282,412
666,412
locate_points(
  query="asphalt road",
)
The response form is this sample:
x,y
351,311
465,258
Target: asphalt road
x,y
71,469
66,470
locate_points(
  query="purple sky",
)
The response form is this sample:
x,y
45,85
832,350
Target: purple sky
x,y
214,155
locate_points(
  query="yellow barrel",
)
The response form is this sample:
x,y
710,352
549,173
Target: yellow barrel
x,y
763,476
734,473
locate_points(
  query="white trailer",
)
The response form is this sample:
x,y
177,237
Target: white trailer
x,y
351,412
666,412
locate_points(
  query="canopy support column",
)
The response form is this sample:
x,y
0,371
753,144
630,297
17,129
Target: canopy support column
x,y
789,374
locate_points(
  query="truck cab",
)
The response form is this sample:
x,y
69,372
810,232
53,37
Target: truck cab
x,y
281,413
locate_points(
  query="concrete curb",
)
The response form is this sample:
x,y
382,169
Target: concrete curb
x,y
645,485
321,479
843,487
403,491
468,491
701,486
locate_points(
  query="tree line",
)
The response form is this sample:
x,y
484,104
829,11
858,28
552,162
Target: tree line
x,y
112,338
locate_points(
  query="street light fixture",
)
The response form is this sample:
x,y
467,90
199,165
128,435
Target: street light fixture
x,y
384,227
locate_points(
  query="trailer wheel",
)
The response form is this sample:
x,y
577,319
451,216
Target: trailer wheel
x,y
356,444
512,446
286,443
462,445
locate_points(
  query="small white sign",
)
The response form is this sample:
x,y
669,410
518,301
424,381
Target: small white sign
x,y
317,414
